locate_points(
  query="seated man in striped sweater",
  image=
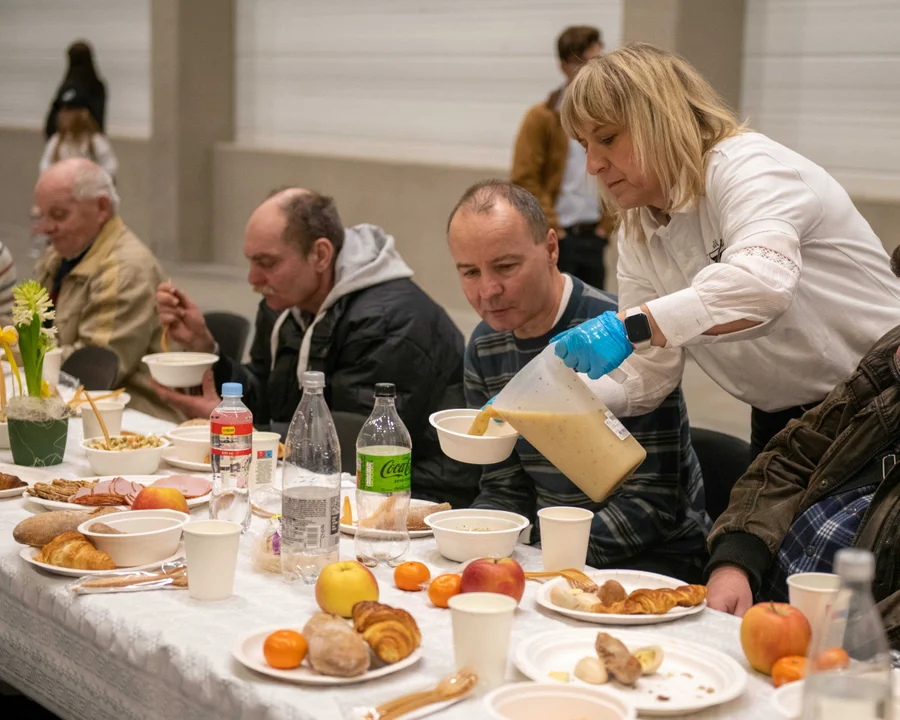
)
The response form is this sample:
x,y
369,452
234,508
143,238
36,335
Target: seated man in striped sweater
x,y
505,254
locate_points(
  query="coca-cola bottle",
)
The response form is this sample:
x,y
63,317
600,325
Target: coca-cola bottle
x,y
383,462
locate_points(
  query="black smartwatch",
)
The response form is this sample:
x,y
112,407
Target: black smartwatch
x,y
637,329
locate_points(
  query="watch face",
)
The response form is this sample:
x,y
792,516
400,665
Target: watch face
x,y
637,328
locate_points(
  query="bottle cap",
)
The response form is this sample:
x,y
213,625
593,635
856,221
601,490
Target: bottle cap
x,y
385,390
855,565
313,379
232,390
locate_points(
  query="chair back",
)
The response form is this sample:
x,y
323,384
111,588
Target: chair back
x,y
230,331
723,460
95,367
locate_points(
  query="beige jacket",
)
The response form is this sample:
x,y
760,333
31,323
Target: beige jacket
x,y
109,299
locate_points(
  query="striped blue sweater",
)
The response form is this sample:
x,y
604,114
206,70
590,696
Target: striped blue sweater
x,y
659,511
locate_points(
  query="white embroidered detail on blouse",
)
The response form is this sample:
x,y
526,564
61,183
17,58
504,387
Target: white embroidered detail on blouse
x,y
770,255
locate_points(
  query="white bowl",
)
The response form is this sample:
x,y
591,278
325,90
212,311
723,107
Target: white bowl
x,y
190,443
494,446
149,535
144,461
179,369
4,435
540,701
456,540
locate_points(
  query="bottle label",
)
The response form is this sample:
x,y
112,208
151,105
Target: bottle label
x,y
311,523
613,423
230,429
383,473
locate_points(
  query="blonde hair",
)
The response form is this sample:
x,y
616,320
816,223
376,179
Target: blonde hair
x,y
673,114
77,127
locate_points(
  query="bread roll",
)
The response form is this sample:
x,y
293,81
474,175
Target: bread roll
x,y
39,530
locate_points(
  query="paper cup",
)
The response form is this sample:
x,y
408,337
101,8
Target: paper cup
x,y
481,629
50,370
211,548
110,411
264,459
813,594
565,532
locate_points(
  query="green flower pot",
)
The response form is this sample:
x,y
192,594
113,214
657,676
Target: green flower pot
x,y
38,443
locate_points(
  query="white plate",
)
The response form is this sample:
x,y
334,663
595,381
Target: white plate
x,y
145,480
351,529
30,553
175,461
248,650
25,474
687,670
631,580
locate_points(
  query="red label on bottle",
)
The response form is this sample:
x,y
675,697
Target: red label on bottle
x,y
230,430
228,452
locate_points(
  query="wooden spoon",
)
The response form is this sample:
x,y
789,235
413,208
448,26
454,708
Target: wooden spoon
x,y
449,688
99,420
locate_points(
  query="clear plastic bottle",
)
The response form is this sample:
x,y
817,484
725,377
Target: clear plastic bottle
x,y
231,448
383,463
862,690
311,496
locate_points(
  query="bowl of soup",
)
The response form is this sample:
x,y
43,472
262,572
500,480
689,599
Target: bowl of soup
x,y
467,533
179,369
494,446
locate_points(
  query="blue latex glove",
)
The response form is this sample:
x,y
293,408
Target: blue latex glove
x,y
595,347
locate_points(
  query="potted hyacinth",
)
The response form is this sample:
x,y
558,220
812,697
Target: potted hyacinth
x,y
38,421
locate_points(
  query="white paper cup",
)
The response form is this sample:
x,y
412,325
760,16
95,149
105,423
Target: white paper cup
x,y
813,594
565,532
110,411
481,629
50,369
264,459
211,549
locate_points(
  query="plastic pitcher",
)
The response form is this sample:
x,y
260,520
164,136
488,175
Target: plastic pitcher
x,y
554,410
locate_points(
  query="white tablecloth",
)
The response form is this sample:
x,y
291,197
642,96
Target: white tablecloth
x,y
160,654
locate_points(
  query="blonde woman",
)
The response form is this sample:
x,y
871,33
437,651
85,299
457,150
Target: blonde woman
x,y
732,248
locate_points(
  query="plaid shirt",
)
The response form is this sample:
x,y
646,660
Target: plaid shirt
x,y
659,509
815,536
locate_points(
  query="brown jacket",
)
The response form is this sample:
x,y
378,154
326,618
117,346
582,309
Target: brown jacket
x,y
540,155
109,299
842,442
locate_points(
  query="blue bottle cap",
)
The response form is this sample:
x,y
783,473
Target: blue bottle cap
x,y
232,390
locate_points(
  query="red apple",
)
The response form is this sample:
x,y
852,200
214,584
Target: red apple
x,y
160,498
343,584
771,631
497,575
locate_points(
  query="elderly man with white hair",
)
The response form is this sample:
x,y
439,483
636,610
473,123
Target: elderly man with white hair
x,y
100,276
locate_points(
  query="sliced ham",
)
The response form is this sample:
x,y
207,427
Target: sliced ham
x,y
190,486
119,487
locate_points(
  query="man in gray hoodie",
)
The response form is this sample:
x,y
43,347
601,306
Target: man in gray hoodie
x,y
337,300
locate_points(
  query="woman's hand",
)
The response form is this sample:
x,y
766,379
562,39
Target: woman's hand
x,y
595,347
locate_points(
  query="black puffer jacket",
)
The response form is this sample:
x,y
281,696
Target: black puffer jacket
x,y
387,332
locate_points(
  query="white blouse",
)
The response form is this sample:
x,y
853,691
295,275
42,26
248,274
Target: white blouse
x,y
775,240
103,153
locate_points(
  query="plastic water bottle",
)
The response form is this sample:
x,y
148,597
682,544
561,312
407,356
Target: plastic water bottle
x,y
862,690
231,441
383,462
311,496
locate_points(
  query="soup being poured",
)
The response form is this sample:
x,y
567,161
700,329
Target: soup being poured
x,y
482,420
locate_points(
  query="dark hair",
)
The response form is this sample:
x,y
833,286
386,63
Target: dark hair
x,y
81,70
895,261
310,216
483,196
573,41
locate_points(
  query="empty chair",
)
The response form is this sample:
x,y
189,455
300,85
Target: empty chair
x,y
95,367
723,459
230,331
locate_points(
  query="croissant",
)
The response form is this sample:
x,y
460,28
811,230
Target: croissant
x,y
689,595
74,550
392,633
649,602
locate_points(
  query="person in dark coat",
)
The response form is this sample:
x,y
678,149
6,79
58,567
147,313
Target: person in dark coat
x,y
341,301
81,76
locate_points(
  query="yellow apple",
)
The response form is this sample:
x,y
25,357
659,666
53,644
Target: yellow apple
x,y
343,584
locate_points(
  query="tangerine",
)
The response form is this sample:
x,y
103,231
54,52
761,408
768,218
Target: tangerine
x,y
444,587
833,659
411,576
285,649
788,669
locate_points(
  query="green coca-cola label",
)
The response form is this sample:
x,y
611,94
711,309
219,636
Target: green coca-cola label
x,y
383,473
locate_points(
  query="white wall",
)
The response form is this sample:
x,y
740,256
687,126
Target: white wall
x,y
34,35
823,77
422,80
